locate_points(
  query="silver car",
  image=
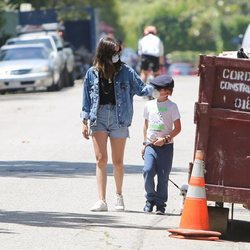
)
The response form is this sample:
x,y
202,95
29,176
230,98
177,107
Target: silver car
x,y
53,41
29,66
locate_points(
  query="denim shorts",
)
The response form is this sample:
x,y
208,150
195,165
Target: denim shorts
x,y
107,122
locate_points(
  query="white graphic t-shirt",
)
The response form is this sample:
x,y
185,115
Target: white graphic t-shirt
x,y
161,117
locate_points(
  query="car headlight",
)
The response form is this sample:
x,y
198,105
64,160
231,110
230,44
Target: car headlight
x,y
40,69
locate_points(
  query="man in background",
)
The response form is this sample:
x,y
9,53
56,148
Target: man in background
x,y
150,50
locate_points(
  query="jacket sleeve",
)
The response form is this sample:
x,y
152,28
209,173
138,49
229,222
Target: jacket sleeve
x,y
85,97
139,87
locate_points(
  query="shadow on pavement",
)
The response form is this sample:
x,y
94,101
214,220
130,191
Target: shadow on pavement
x,y
5,231
66,220
239,230
52,169
42,219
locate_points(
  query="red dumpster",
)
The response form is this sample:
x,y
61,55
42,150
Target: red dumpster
x,y
222,117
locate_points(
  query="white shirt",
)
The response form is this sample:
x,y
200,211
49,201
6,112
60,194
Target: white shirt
x,y
161,117
150,45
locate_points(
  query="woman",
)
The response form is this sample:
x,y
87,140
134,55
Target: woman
x,y
107,108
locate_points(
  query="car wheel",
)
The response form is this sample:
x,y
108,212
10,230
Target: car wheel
x,y
65,77
71,79
59,84
56,86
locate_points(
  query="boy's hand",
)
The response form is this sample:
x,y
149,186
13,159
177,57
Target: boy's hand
x,y
159,142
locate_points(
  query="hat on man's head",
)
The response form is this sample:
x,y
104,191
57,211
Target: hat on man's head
x,y
163,81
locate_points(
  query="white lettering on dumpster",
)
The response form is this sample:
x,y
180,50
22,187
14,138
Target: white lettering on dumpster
x,y
236,75
242,103
237,87
242,86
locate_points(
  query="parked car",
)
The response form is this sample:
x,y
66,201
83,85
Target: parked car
x,y
57,31
53,43
68,54
182,69
28,66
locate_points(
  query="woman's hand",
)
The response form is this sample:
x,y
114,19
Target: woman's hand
x,y
85,131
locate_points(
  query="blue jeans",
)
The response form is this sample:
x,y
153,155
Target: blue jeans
x,y
107,122
157,162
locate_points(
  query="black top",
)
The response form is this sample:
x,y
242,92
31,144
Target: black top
x,y
106,91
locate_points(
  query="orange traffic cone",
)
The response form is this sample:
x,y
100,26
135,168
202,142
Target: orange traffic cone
x,y
194,219
179,236
195,212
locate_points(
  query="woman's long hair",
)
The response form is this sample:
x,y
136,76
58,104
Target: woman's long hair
x,y
103,59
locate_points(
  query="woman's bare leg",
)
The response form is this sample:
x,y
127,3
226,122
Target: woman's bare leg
x,y
118,147
100,146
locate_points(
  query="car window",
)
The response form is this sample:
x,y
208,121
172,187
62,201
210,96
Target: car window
x,y
23,53
44,41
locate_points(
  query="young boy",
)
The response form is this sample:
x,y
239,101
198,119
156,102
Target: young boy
x,y
162,124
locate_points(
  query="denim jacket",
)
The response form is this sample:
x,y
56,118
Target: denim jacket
x,y
127,83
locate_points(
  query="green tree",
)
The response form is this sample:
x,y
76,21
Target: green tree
x,y
198,25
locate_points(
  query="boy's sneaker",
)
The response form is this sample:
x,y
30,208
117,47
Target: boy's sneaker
x,y
160,210
148,208
100,206
119,203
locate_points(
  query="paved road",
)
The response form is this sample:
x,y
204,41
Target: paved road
x,y
47,180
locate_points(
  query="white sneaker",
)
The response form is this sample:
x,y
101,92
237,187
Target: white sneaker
x,y
119,203
99,206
